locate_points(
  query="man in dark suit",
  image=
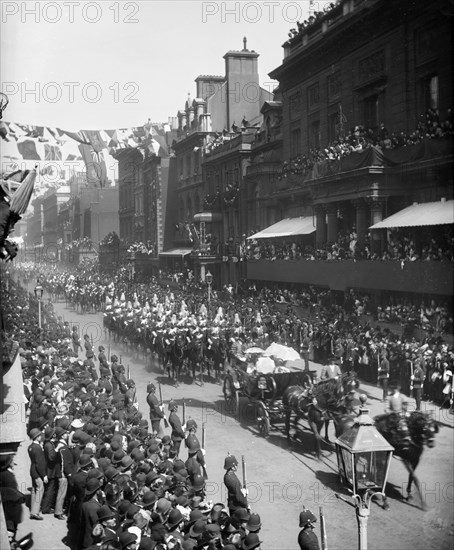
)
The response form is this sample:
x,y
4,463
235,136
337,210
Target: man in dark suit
x,y
66,469
155,409
37,472
77,485
52,469
107,518
90,507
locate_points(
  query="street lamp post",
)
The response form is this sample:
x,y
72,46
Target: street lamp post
x,y
363,457
39,295
209,280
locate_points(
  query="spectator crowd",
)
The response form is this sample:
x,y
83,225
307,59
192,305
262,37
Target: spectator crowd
x,y
400,246
359,138
121,485
358,329
96,463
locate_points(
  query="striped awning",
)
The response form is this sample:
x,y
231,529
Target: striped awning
x,y
287,228
418,215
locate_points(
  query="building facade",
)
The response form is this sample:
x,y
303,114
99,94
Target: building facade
x,y
366,93
207,169
142,183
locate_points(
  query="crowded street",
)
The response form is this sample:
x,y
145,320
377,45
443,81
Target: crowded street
x,y
226,275
281,480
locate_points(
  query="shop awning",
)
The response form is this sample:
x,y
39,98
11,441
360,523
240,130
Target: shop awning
x,y
287,228
176,252
417,215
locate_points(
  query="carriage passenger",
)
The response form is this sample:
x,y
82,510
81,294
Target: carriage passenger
x,y
331,370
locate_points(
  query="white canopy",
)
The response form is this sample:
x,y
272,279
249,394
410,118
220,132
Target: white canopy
x,y
286,228
417,215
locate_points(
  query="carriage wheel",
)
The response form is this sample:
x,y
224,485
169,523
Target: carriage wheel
x,y
231,397
263,420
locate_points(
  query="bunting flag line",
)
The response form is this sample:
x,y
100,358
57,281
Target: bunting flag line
x,y
25,142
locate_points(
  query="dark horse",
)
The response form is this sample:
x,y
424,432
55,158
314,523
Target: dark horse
x,y
195,352
318,404
176,359
216,354
408,435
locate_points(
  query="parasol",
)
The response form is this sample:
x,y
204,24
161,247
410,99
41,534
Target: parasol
x,y
282,352
265,365
21,198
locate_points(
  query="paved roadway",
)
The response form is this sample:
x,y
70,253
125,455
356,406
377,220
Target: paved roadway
x,y
281,481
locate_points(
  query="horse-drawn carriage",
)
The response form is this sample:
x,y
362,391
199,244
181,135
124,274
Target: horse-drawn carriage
x,y
262,389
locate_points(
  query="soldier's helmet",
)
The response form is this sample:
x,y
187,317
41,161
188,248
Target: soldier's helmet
x,y
229,462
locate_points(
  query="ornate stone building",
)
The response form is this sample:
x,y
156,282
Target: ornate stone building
x,y
361,86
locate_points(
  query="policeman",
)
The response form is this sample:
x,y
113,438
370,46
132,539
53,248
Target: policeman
x,y
307,539
237,496
195,450
102,356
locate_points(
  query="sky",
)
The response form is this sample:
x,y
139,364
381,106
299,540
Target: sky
x,y
105,64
